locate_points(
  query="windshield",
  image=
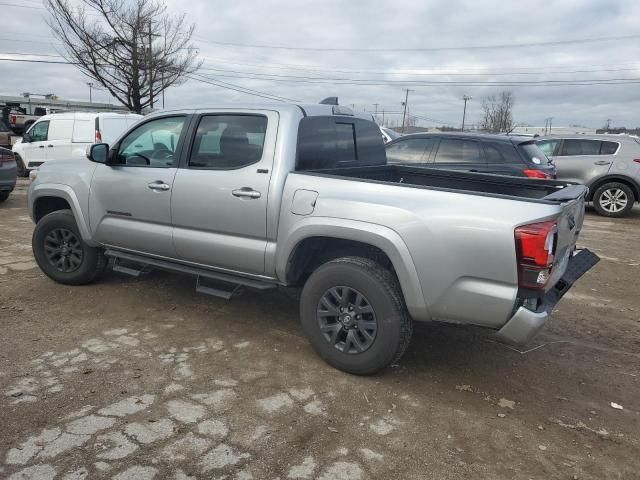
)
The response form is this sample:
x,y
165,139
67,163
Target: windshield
x,y
533,153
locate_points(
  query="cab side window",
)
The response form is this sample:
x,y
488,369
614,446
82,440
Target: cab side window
x,y
226,142
152,144
38,132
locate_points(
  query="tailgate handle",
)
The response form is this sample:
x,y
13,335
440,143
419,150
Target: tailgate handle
x,y
602,162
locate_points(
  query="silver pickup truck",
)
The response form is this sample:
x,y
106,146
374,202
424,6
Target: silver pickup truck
x,y
301,196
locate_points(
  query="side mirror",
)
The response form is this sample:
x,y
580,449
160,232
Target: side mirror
x,y
26,138
98,152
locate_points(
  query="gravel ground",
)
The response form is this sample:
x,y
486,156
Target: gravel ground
x,y
144,378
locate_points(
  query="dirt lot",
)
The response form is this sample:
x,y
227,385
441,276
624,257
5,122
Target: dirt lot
x,y
144,378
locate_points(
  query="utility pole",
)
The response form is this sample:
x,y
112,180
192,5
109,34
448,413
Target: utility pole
x,y
466,98
376,114
406,101
150,69
383,117
90,93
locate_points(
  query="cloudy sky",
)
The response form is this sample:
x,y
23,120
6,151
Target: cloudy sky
x,y
557,57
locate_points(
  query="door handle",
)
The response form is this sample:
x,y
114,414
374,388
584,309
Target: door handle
x,y
159,186
50,146
602,162
246,192
40,146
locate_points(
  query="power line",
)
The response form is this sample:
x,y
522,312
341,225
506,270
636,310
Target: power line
x,y
445,73
378,82
367,82
304,77
38,61
27,41
394,73
20,6
428,49
411,70
31,54
240,89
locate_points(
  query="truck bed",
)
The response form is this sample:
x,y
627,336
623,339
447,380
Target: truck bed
x,y
550,191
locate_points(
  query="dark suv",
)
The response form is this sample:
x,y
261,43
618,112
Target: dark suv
x,y
473,152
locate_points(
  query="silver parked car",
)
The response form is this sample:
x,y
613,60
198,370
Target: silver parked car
x,y
608,164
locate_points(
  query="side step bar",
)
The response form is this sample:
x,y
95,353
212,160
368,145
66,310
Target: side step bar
x,y
221,285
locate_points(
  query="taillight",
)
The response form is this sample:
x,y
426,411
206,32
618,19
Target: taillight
x,y
535,249
13,119
6,157
98,136
536,174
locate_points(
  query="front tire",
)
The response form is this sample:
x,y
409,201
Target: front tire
x,y
3,196
613,200
62,254
353,314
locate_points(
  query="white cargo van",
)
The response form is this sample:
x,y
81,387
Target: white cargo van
x,y
64,136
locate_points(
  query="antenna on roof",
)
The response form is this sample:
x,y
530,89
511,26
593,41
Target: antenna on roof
x,y
329,101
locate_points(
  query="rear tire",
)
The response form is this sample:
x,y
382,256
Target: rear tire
x,y
372,330
21,167
62,254
613,200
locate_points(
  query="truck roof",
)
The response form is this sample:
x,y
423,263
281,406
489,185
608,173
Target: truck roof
x,y
86,115
308,110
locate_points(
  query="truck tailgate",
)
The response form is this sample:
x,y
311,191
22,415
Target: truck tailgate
x,y
570,220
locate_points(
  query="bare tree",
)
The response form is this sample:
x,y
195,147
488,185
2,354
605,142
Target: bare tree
x,y
497,113
131,47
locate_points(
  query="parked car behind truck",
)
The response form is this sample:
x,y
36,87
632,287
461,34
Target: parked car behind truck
x,y
302,196
473,152
608,164
7,173
65,136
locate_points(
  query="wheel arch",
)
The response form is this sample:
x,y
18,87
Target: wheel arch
x,y
48,198
315,240
630,182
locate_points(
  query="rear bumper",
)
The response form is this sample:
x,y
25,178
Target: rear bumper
x,y
525,324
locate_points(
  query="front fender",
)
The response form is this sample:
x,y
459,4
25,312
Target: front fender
x,y
41,190
379,236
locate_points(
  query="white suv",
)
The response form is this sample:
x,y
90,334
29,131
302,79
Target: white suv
x,y
65,136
